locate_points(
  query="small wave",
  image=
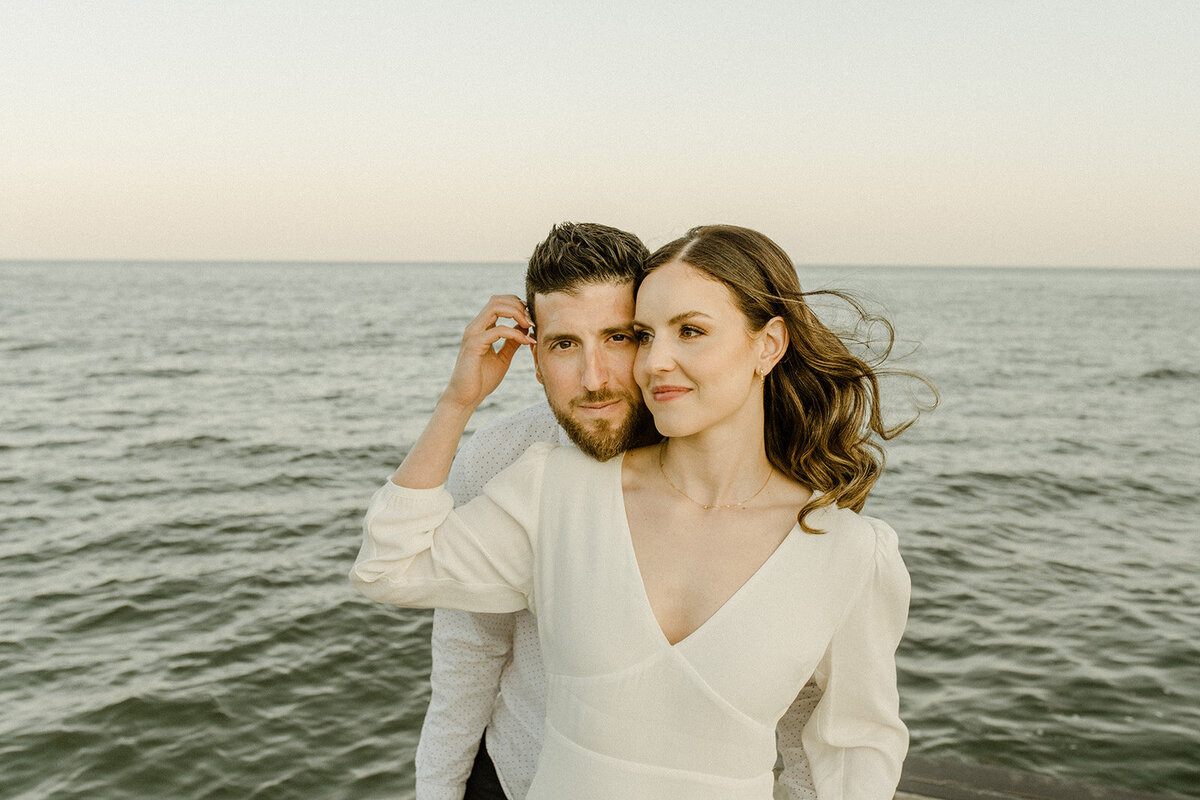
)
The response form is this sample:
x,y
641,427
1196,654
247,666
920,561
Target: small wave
x,y
1064,446
168,373
147,373
31,346
132,713
262,449
1170,374
927,500
1038,489
137,490
285,480
73,485
48,444
348,455
188,443
124,616
23,522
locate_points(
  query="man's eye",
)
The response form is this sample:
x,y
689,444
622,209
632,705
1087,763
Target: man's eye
x,y
562,344
622,337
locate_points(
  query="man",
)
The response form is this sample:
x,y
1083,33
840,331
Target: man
x,y
483,730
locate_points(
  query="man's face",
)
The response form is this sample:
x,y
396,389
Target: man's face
x,y
584,357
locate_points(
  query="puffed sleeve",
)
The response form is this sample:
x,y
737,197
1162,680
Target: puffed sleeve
x,y
855,740
419,551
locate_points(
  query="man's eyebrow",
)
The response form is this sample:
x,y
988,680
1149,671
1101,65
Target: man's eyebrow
x,y
617,329
557,336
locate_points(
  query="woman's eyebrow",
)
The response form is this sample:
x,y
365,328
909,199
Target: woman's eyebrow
x,y
686,315
675,320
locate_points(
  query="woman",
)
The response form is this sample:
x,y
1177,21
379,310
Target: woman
x,y
686,591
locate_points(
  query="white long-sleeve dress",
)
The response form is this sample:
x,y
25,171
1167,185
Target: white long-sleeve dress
x,y
630,715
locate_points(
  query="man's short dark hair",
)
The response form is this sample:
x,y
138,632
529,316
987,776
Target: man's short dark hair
x,y
579,253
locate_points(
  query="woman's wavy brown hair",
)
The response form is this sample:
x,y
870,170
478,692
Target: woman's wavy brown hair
x,y
823,417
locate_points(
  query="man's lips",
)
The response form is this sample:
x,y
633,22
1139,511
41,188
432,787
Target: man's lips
x,y
663,394
603,405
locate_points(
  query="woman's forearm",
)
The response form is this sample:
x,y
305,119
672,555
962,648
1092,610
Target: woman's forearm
x,y
428,462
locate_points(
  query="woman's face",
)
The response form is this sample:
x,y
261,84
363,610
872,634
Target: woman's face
x,y
695,361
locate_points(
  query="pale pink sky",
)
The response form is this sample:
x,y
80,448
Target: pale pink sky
x,y
1064,133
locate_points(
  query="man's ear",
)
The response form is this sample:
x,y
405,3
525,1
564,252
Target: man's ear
x,y
773,339
537,368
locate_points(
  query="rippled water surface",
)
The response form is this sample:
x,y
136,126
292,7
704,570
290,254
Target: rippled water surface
x,y
186,451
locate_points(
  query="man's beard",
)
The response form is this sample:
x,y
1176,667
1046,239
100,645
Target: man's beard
x,y
601,441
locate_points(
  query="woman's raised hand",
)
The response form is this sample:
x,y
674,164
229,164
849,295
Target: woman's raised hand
x,y
480,366
478,371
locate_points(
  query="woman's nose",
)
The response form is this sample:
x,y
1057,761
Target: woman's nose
x,y
656,356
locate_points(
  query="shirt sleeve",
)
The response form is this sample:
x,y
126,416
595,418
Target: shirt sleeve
x,y
469,653
855,739
795,781
418,551
470,650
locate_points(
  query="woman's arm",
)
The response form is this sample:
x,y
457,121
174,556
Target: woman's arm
x,y
477,372
855,740
416,550
421,552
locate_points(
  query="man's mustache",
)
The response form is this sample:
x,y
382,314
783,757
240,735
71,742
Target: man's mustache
x,y
603,396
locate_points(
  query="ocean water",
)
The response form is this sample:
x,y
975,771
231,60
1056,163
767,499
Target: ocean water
x,y
186,450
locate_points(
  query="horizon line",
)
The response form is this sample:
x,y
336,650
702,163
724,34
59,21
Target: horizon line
x,y
519,262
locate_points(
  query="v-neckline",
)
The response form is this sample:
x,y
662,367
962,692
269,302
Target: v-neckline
x,y
631,551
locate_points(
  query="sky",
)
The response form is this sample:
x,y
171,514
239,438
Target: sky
x,y
1052,133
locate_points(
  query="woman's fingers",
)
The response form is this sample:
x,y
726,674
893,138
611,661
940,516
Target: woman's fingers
x,y
501,306
485,339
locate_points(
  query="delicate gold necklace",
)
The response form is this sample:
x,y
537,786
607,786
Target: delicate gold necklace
x,y
662,448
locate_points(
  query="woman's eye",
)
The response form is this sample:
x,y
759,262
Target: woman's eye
x,y
687,332
643,337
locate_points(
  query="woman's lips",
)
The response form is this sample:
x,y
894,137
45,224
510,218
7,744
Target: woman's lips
x,y
664,394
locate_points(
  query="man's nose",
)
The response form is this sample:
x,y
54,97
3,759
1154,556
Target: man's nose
x,y
595,371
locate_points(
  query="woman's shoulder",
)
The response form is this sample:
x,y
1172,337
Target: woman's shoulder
x,y
868,553
866,535
885,536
